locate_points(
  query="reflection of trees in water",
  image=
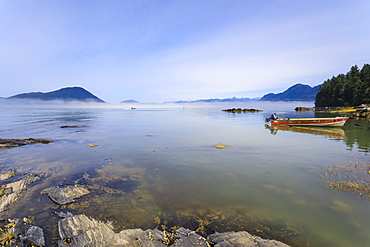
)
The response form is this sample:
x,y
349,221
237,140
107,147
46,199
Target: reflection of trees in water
x,y
356,130
355,133
358,136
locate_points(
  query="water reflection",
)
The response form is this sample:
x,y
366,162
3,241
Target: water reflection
x,y
331,132
355,134
358,136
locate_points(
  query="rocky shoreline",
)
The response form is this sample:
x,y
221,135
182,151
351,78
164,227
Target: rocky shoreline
x,y
363,112
354,112
82,230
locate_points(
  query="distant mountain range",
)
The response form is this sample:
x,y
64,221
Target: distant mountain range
x,y
65,94
213,100
216,100
130,101
297,92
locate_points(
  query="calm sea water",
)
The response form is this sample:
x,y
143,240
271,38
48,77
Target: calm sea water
x,y
156,166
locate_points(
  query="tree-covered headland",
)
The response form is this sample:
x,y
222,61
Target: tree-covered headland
x,y
349,89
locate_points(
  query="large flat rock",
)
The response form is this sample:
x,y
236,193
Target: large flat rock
x,y
80,230
66,194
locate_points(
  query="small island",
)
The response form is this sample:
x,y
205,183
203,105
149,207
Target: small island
x,y
240,110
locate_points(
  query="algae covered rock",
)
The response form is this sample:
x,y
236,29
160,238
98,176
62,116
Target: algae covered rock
x,y
20,142
8,174
21,232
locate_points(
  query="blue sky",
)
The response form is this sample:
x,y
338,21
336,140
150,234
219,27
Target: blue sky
x,y
157,50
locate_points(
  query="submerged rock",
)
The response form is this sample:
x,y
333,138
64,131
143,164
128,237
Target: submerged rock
x,y
21,142
62,214
11,189
35,236
67,194
21,232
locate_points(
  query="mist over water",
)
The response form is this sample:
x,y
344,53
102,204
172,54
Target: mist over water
x,y
157,165
266,105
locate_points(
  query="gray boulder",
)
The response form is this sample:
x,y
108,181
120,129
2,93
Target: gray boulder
x,y
241,239
66,194
11,188
188,238
80,230
35,236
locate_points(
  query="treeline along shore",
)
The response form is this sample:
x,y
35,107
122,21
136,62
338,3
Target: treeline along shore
x,y
350,89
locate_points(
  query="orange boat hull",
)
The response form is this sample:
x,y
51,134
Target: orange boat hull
x,y
333,122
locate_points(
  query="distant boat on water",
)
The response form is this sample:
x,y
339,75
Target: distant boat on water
x,y
322,122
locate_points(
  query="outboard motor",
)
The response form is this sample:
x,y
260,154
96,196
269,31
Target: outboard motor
x,y
272,117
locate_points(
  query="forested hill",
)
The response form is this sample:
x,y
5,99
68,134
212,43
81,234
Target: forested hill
x,y
349,89
297,92
65,94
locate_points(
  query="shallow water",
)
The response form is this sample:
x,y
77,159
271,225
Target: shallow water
x,y
156,166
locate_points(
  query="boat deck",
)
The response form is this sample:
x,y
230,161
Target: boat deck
x,y
337,121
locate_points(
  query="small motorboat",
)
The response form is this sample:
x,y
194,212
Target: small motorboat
x,y
332,122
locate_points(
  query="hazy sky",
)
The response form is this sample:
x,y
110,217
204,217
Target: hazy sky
x,y
165,50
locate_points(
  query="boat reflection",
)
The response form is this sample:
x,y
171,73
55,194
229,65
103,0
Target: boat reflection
x,y
327,131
